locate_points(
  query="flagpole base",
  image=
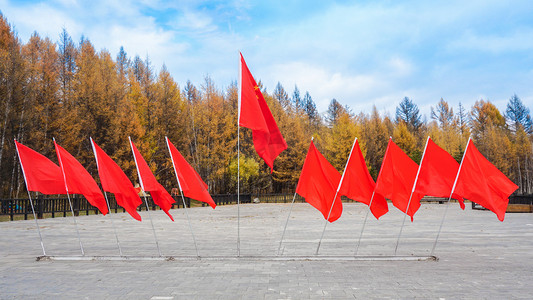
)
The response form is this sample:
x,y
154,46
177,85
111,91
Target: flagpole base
x,y
239,258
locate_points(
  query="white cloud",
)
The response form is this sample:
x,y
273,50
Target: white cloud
x,y
359,53
520,40
322,84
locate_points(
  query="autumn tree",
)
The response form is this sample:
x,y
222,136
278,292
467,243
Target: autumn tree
x,y
335,110
375,135
339,139
13,104
462,121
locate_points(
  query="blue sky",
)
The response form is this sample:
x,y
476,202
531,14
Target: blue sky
x,y
362,53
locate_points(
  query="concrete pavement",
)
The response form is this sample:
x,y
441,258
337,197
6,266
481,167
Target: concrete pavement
x,y
479,257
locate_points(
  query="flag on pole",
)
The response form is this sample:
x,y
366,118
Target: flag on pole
x,y
40,173
358,185
437,173
189,181
79,181
255,114
148,183
115,181
396,179
481,182
318,184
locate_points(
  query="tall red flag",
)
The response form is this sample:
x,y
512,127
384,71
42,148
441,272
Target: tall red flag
x,y
40,173
79,181
396,179
438,170
148,183
318,184
189,181
115,181
358,185
255,114
481,182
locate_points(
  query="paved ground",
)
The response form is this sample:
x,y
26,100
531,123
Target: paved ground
x,y
479,257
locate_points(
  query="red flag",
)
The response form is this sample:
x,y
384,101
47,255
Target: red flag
x,y
255,114
318,183
481,182
189,181
115,181
438,170
148,183
396,179
79,181
358,185
40,173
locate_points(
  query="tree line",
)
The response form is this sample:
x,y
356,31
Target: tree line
x,y
71,91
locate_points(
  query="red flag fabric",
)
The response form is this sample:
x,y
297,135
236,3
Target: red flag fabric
x,y
481,182
255,114
79,181
358,185
438,170
318,184
41,174
148,183
115,181
190,182
396,179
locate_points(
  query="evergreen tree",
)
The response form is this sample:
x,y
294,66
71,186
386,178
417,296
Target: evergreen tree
x,y
517,115
281,95
296,99
311,111
408,112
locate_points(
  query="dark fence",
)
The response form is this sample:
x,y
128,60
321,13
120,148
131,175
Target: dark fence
x,y
513,199
46,206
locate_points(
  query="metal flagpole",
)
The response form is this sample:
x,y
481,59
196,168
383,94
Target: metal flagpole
x,y
144,196
449,199
239,161
36,223
107,201
286,222
113,223
238,192
410,197
31,201
69,201
152,222
189,220
335,198
183,199
371,200
364,223
75,223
